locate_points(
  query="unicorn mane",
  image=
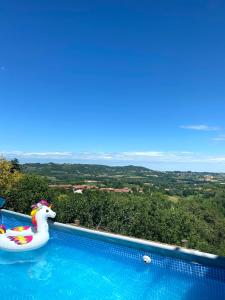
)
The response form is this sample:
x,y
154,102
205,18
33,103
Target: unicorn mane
x,y
33,215
35,209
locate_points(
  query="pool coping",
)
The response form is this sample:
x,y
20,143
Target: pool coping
x,y
140,244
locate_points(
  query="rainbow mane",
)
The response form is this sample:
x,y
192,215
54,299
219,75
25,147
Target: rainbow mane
x,y
35,209
33,215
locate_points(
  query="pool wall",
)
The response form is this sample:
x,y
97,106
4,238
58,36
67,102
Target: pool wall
x,y
139,244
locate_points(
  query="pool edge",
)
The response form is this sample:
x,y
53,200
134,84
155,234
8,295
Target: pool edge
x,y
144,245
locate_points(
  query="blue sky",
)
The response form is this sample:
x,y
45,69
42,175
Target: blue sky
x,y
114,82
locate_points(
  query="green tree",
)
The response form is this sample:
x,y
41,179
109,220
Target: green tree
x,y
27,191
7,178
15,165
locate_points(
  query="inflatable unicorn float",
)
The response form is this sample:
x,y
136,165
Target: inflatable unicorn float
x,y
25,238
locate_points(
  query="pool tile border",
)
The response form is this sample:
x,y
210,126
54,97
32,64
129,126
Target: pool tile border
x,y
139,244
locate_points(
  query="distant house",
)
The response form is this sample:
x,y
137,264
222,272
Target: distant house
x,y
107,189
208,177
123,190
79,191
79,188
84,186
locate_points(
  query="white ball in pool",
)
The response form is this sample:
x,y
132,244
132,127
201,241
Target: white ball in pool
x,y
147,259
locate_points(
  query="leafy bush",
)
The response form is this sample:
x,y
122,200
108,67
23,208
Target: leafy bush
x,y
27,191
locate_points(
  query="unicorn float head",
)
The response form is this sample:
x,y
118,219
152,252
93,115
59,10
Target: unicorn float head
x,y
40,213
24,238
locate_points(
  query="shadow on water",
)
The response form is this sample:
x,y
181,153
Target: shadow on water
x,y
27,257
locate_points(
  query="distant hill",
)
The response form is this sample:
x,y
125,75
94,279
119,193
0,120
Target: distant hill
x,y
77,172
120,175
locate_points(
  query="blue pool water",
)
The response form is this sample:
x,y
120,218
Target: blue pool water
x,y
73,266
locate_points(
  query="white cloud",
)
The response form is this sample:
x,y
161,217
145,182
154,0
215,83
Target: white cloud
x,y
129,157
219,138
143,154
36,154
200,127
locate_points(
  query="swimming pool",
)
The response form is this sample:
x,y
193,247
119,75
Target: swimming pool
x,y
74,265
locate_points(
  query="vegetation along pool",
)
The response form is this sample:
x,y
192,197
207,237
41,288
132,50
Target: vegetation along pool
x,y
74,265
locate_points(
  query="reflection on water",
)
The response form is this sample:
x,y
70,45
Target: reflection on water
x,y
9,258
42,270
